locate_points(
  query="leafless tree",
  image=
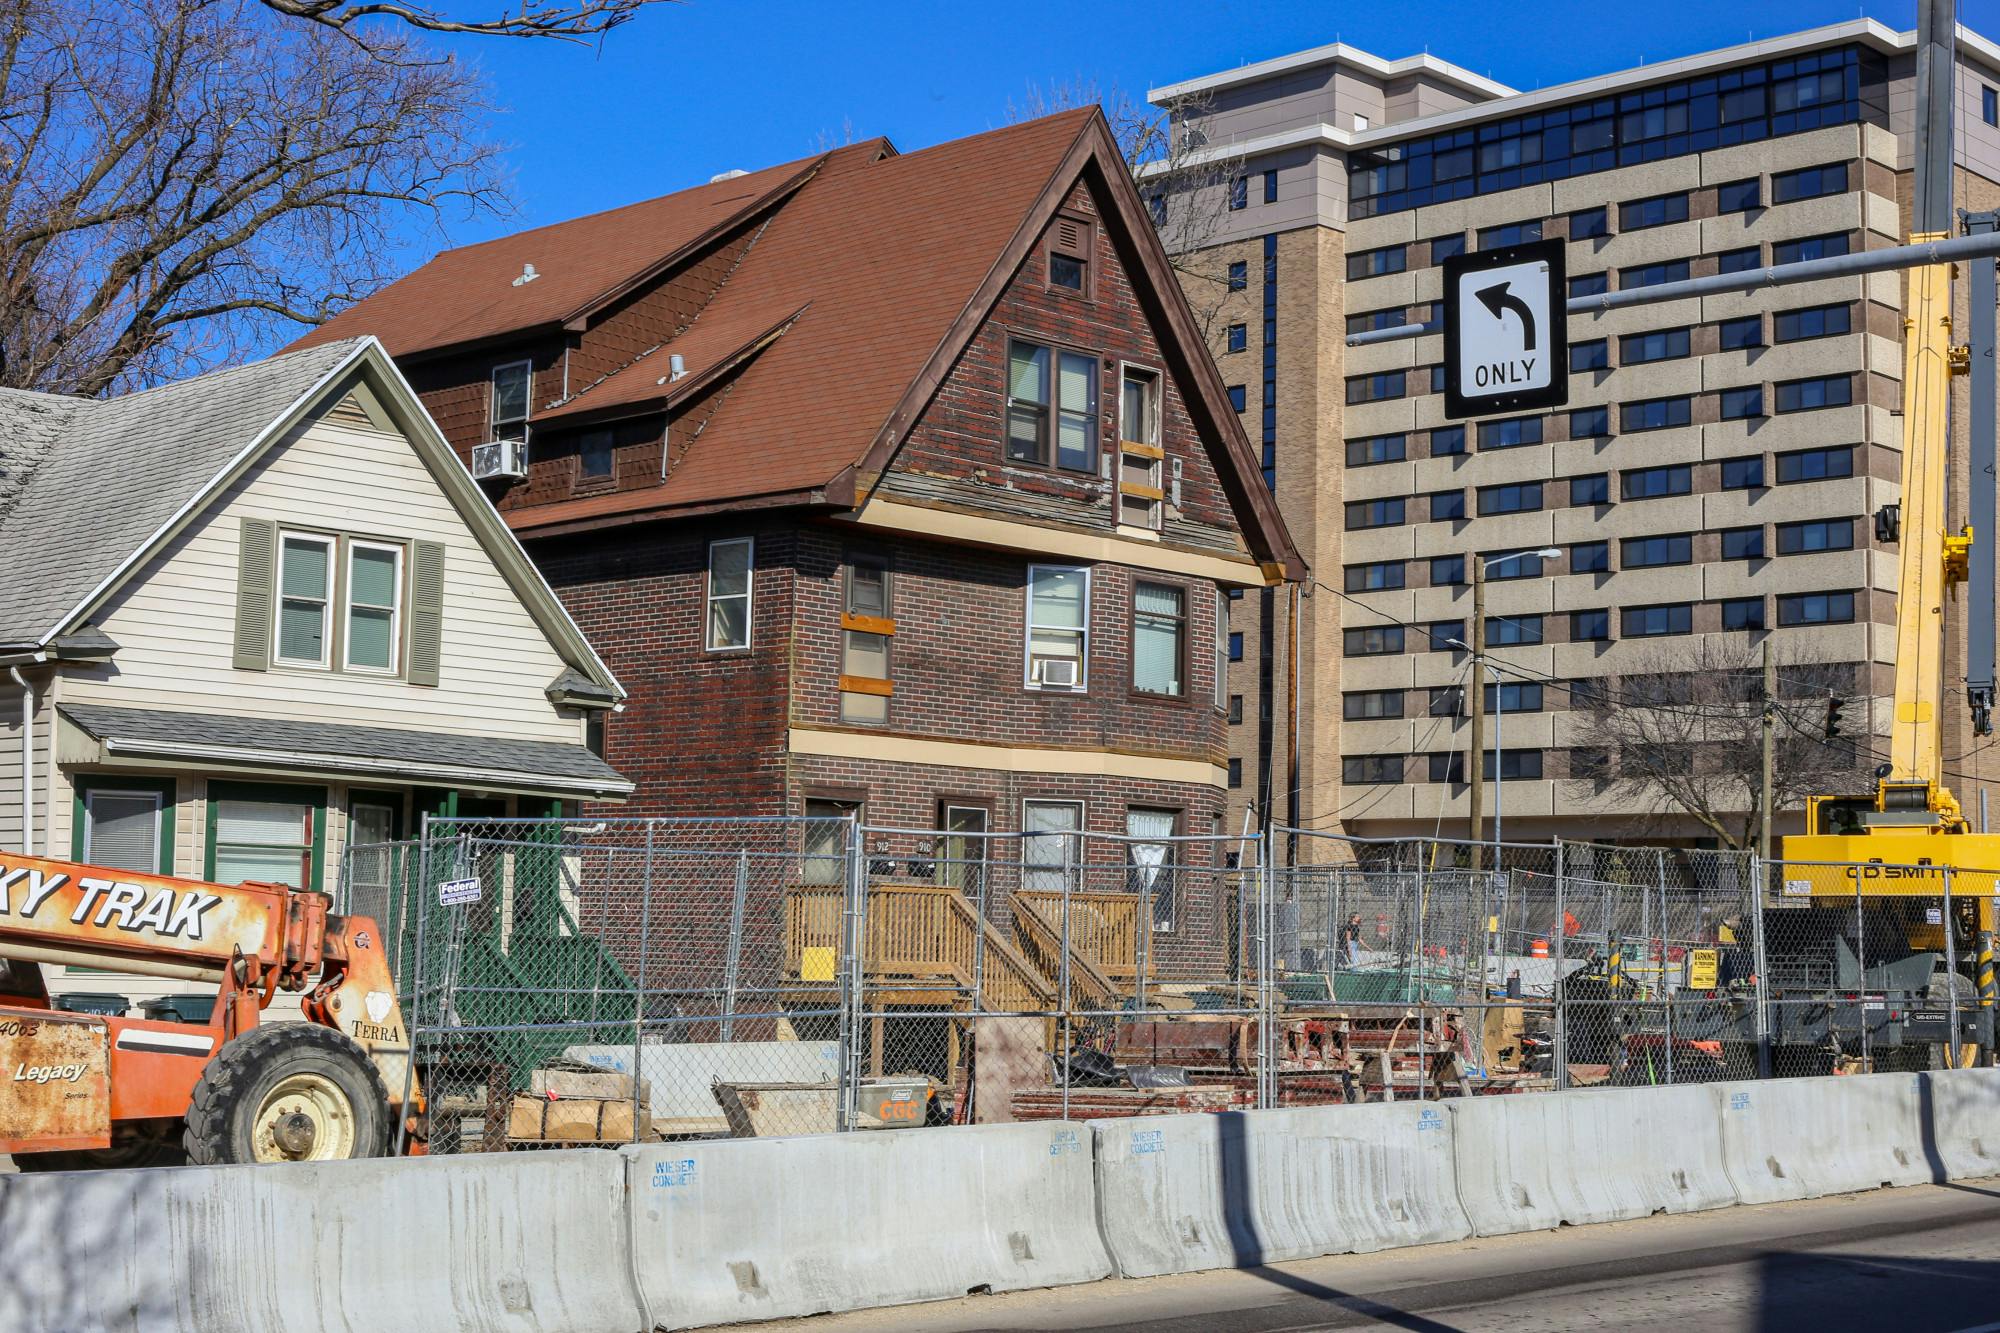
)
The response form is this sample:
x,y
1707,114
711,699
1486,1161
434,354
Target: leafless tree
x,y
182,183
1681,734
1184,179
577,21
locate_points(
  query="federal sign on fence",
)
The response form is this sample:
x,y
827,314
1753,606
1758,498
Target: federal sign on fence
x,y
458,892
1506,335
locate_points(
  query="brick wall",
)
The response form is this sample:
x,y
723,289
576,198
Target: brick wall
x,y
961,434
957,659
701,733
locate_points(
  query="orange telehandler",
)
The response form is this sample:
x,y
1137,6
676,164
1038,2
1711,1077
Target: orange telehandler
x,y
83,1090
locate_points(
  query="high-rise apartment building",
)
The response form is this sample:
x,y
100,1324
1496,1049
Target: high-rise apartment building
x,y
1714,478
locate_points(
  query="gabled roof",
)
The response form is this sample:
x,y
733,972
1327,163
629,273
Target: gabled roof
x,y
121,477
472,293
879,268
119,470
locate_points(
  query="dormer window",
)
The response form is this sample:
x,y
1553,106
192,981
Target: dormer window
x,y
1069,255
508,414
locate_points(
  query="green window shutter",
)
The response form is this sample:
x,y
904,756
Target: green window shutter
x,y
426,612
256,573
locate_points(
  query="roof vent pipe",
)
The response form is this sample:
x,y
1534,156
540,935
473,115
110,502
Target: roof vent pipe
x,y
528,275
728,175
677,366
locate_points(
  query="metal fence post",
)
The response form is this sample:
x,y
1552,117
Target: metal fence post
x,y
1760,872
645,961
1556,990
851,970
1064,1027
1953,1049
1861,980
416,1019
1660,956
1267,1043
1419,974
732,967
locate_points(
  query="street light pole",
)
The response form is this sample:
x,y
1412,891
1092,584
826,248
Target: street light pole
x,y
1477,758
1475,762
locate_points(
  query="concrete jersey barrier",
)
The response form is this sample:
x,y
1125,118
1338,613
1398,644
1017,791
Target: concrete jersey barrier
x,y
1604,1155
522,1243
772,1228
1801,1138
1178,1194
1961,1120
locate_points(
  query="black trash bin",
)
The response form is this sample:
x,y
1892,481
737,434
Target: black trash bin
x,y
92,1002
179,1008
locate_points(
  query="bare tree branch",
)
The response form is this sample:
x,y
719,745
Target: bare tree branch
x,y
576,21
1184,179
181,184
1681,734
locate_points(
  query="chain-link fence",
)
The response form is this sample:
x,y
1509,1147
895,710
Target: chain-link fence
x,y
606,981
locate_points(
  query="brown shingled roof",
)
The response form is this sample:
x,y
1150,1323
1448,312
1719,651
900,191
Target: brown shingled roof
x,y
469,294
838,323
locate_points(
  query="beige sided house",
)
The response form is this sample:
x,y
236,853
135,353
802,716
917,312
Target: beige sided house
x,y
260,614
1714,477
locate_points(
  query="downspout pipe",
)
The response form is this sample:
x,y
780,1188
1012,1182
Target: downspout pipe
x,y
27,760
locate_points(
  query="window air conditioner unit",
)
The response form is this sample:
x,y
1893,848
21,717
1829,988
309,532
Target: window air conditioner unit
x,y
1059,671
499,460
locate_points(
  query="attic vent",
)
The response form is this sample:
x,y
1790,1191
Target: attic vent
x,y
528,275
1069,235
728,175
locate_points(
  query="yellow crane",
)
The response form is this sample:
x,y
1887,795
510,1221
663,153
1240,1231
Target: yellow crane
x,y
1891,920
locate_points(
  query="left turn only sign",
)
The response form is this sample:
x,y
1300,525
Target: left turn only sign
x,y
1506,337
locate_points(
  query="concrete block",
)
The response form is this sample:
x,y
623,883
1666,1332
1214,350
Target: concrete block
x,y
774,1228
1961,1121
1178,1194
1800,1138
521,1243
682,1075
1533,1162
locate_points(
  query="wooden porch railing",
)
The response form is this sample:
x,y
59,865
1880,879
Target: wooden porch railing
x,y
915,932
1103,927
1041,941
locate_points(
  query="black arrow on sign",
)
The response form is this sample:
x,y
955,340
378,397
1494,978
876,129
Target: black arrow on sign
x,y
1499,297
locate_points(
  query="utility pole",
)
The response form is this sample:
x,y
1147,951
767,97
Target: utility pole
x,y
1475,759
1770,727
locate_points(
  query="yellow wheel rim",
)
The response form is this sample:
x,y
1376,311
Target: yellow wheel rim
x,y
305,1118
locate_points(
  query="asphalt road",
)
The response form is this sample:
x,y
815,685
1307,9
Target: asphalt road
x,y
1924,1259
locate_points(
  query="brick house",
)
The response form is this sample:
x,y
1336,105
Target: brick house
x,y
892,481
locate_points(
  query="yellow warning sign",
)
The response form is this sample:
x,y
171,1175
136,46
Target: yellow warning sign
x,y
1701,969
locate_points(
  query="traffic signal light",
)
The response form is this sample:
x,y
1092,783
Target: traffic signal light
x,y
1833,706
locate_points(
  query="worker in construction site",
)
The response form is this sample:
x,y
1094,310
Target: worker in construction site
x,y
1350,940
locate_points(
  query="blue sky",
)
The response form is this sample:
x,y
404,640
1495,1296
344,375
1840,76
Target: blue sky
x,y
694,88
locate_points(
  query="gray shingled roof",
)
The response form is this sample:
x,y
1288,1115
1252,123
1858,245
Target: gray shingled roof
x,y
333,748
30,425
103,476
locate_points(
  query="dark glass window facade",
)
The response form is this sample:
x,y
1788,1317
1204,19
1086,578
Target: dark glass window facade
x,y
1742,105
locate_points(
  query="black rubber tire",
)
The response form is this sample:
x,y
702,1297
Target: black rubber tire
x,y
222,1115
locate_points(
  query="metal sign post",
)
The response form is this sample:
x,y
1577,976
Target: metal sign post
x,y
1506,334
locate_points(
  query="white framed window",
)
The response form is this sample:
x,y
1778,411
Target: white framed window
x,y
1050,850
508,412
730,562
374,630
121,829
305,598
1058,649
1142,497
